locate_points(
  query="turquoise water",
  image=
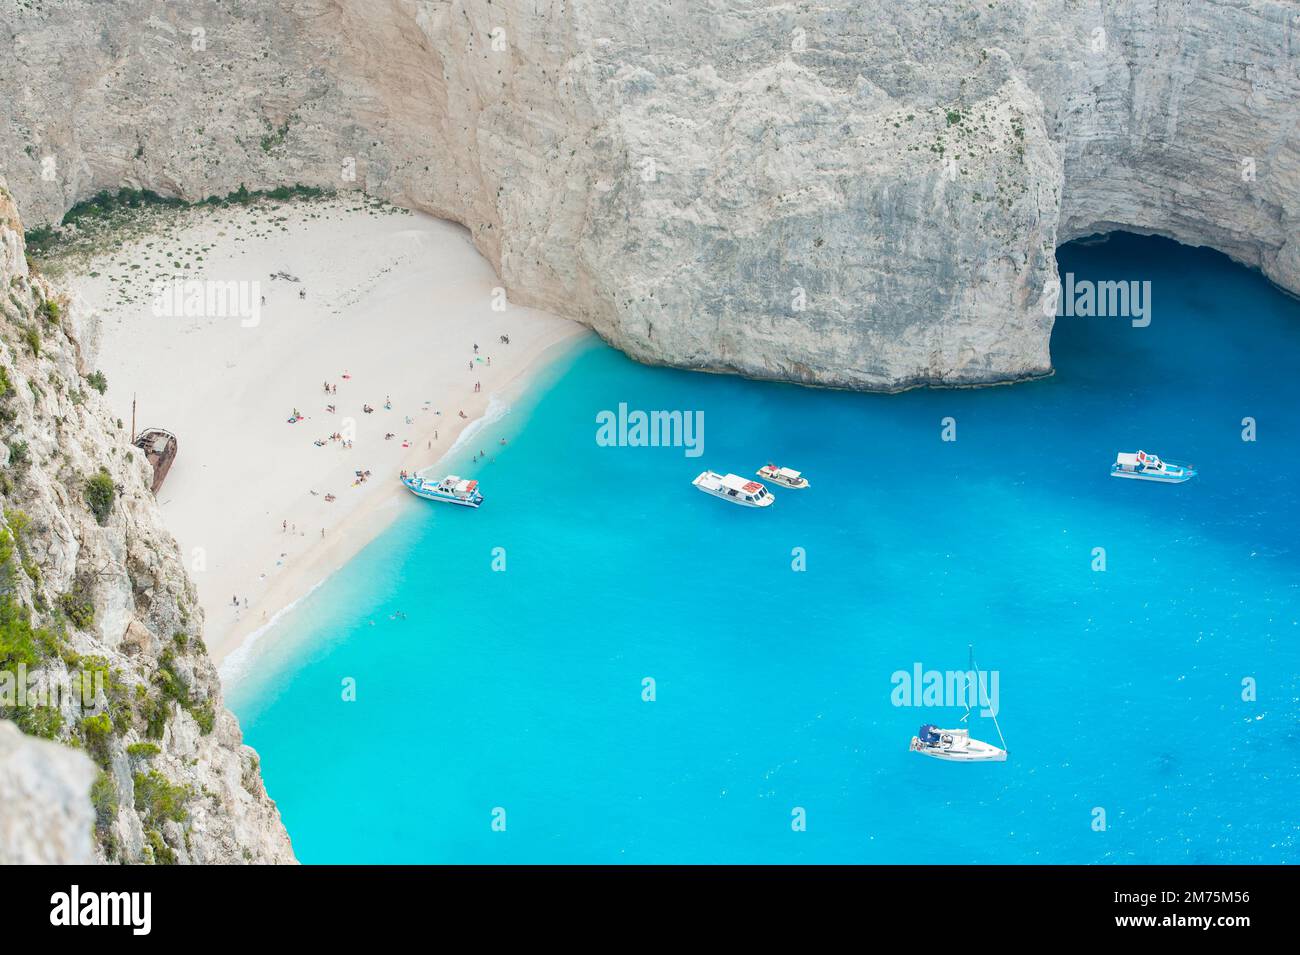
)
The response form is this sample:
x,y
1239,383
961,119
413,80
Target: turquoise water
x,y
1119,690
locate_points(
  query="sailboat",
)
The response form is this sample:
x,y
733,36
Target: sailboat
x,y
958,745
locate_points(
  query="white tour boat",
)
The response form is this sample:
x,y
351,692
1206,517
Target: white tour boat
x,y
957,745
1147,467
452,489
734,488
791,479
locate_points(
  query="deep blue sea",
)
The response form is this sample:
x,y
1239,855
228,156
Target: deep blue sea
x,y
1120,690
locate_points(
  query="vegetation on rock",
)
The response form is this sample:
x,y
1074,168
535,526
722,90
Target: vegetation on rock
x,y
99,494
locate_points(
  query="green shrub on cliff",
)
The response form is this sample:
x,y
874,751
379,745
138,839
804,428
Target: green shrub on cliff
x,y
43,721
79,609
158,800
155,712
99,495
18,522
168,681
103,795
97,733
19,643
205,716
6,557
163,854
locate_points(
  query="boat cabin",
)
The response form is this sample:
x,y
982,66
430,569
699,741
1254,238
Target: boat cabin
x,y
1141,461
743,488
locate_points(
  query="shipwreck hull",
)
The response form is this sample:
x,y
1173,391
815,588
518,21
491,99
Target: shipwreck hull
x,y
159,449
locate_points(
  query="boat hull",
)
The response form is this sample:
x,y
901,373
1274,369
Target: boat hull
x,y
429,494
798,484
1155,478
724,496
962,749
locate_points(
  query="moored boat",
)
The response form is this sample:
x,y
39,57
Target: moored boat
x,y
957,745
451,489
784,476
734,488
1141,466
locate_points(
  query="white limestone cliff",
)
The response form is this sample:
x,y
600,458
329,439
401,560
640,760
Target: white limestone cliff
x,y
856,193
163,775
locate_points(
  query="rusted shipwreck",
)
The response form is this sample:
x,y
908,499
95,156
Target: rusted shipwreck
x,y
159,449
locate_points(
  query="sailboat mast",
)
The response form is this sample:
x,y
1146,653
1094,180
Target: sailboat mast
x,y
970,669
979,676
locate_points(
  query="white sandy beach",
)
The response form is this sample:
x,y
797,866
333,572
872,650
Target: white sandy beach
x,y
394,304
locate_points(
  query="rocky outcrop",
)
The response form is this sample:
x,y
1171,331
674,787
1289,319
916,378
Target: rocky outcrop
x,y
100,630
860,193
47,817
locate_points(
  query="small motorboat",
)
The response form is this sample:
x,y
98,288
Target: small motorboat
x,y
1141,466
784,476
734,488
451,489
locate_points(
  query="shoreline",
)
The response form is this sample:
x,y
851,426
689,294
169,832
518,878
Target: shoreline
x,y
234,656
279,480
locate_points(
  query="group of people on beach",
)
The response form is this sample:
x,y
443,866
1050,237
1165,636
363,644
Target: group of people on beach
x,y
363,475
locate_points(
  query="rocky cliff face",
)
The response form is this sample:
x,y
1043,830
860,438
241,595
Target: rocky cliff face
x,y
47,816
859,193
100,629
